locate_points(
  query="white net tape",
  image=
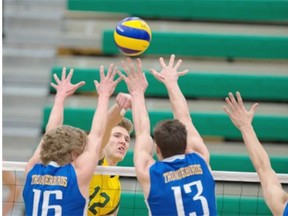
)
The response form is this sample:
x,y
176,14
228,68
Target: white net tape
x,y
130,172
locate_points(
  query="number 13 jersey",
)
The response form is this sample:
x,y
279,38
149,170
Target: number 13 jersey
x,y
181,185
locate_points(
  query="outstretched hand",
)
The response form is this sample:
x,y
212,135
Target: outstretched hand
x,y
64,87
169,72
107,84
237,111
135,79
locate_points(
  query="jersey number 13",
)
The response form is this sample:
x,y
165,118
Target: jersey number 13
x,y
197,197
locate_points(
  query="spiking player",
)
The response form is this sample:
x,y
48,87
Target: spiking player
x,y
105,190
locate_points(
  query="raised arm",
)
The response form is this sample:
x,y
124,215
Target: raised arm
x,y
115,115
143,153
169,77
86,163
64,89
274,195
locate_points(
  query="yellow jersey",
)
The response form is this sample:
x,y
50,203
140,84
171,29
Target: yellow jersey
x,y
104,193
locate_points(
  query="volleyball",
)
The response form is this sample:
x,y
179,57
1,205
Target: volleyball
x,y
132,36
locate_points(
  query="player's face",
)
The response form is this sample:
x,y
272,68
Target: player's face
x,y
118,143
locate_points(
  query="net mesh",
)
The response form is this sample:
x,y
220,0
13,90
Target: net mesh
x,y
238,193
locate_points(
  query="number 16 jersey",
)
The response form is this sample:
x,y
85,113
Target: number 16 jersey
x,y
52,190
181,185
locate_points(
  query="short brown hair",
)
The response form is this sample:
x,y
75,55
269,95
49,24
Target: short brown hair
x,y
59,144
127,124
171,137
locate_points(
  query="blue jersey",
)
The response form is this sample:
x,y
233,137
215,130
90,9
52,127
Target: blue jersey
x,y
53,190
181,185
285,213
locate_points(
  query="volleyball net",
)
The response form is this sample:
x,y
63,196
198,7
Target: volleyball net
x,y
238,193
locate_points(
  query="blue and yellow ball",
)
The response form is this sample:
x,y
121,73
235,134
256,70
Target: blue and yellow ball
x,y
132,36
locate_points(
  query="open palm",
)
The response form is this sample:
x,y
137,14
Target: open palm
x,y
64,86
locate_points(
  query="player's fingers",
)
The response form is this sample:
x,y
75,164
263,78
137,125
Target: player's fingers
x,y
79,84
70,74
130,64
162,62
157,75
179,62
118,80
229,103
102,75
122,75
54,86
124,65
110,70
123,103
56,79
119,99
144,77
153,72
182,73
122,112
112,76
227,110
63,76
253,108
232,99
96,83
139,64
172,59
239,99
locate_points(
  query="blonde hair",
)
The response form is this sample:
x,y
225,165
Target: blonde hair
x,y
127,124
59,144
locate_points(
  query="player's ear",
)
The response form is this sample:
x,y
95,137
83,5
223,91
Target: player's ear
x,y
74,155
